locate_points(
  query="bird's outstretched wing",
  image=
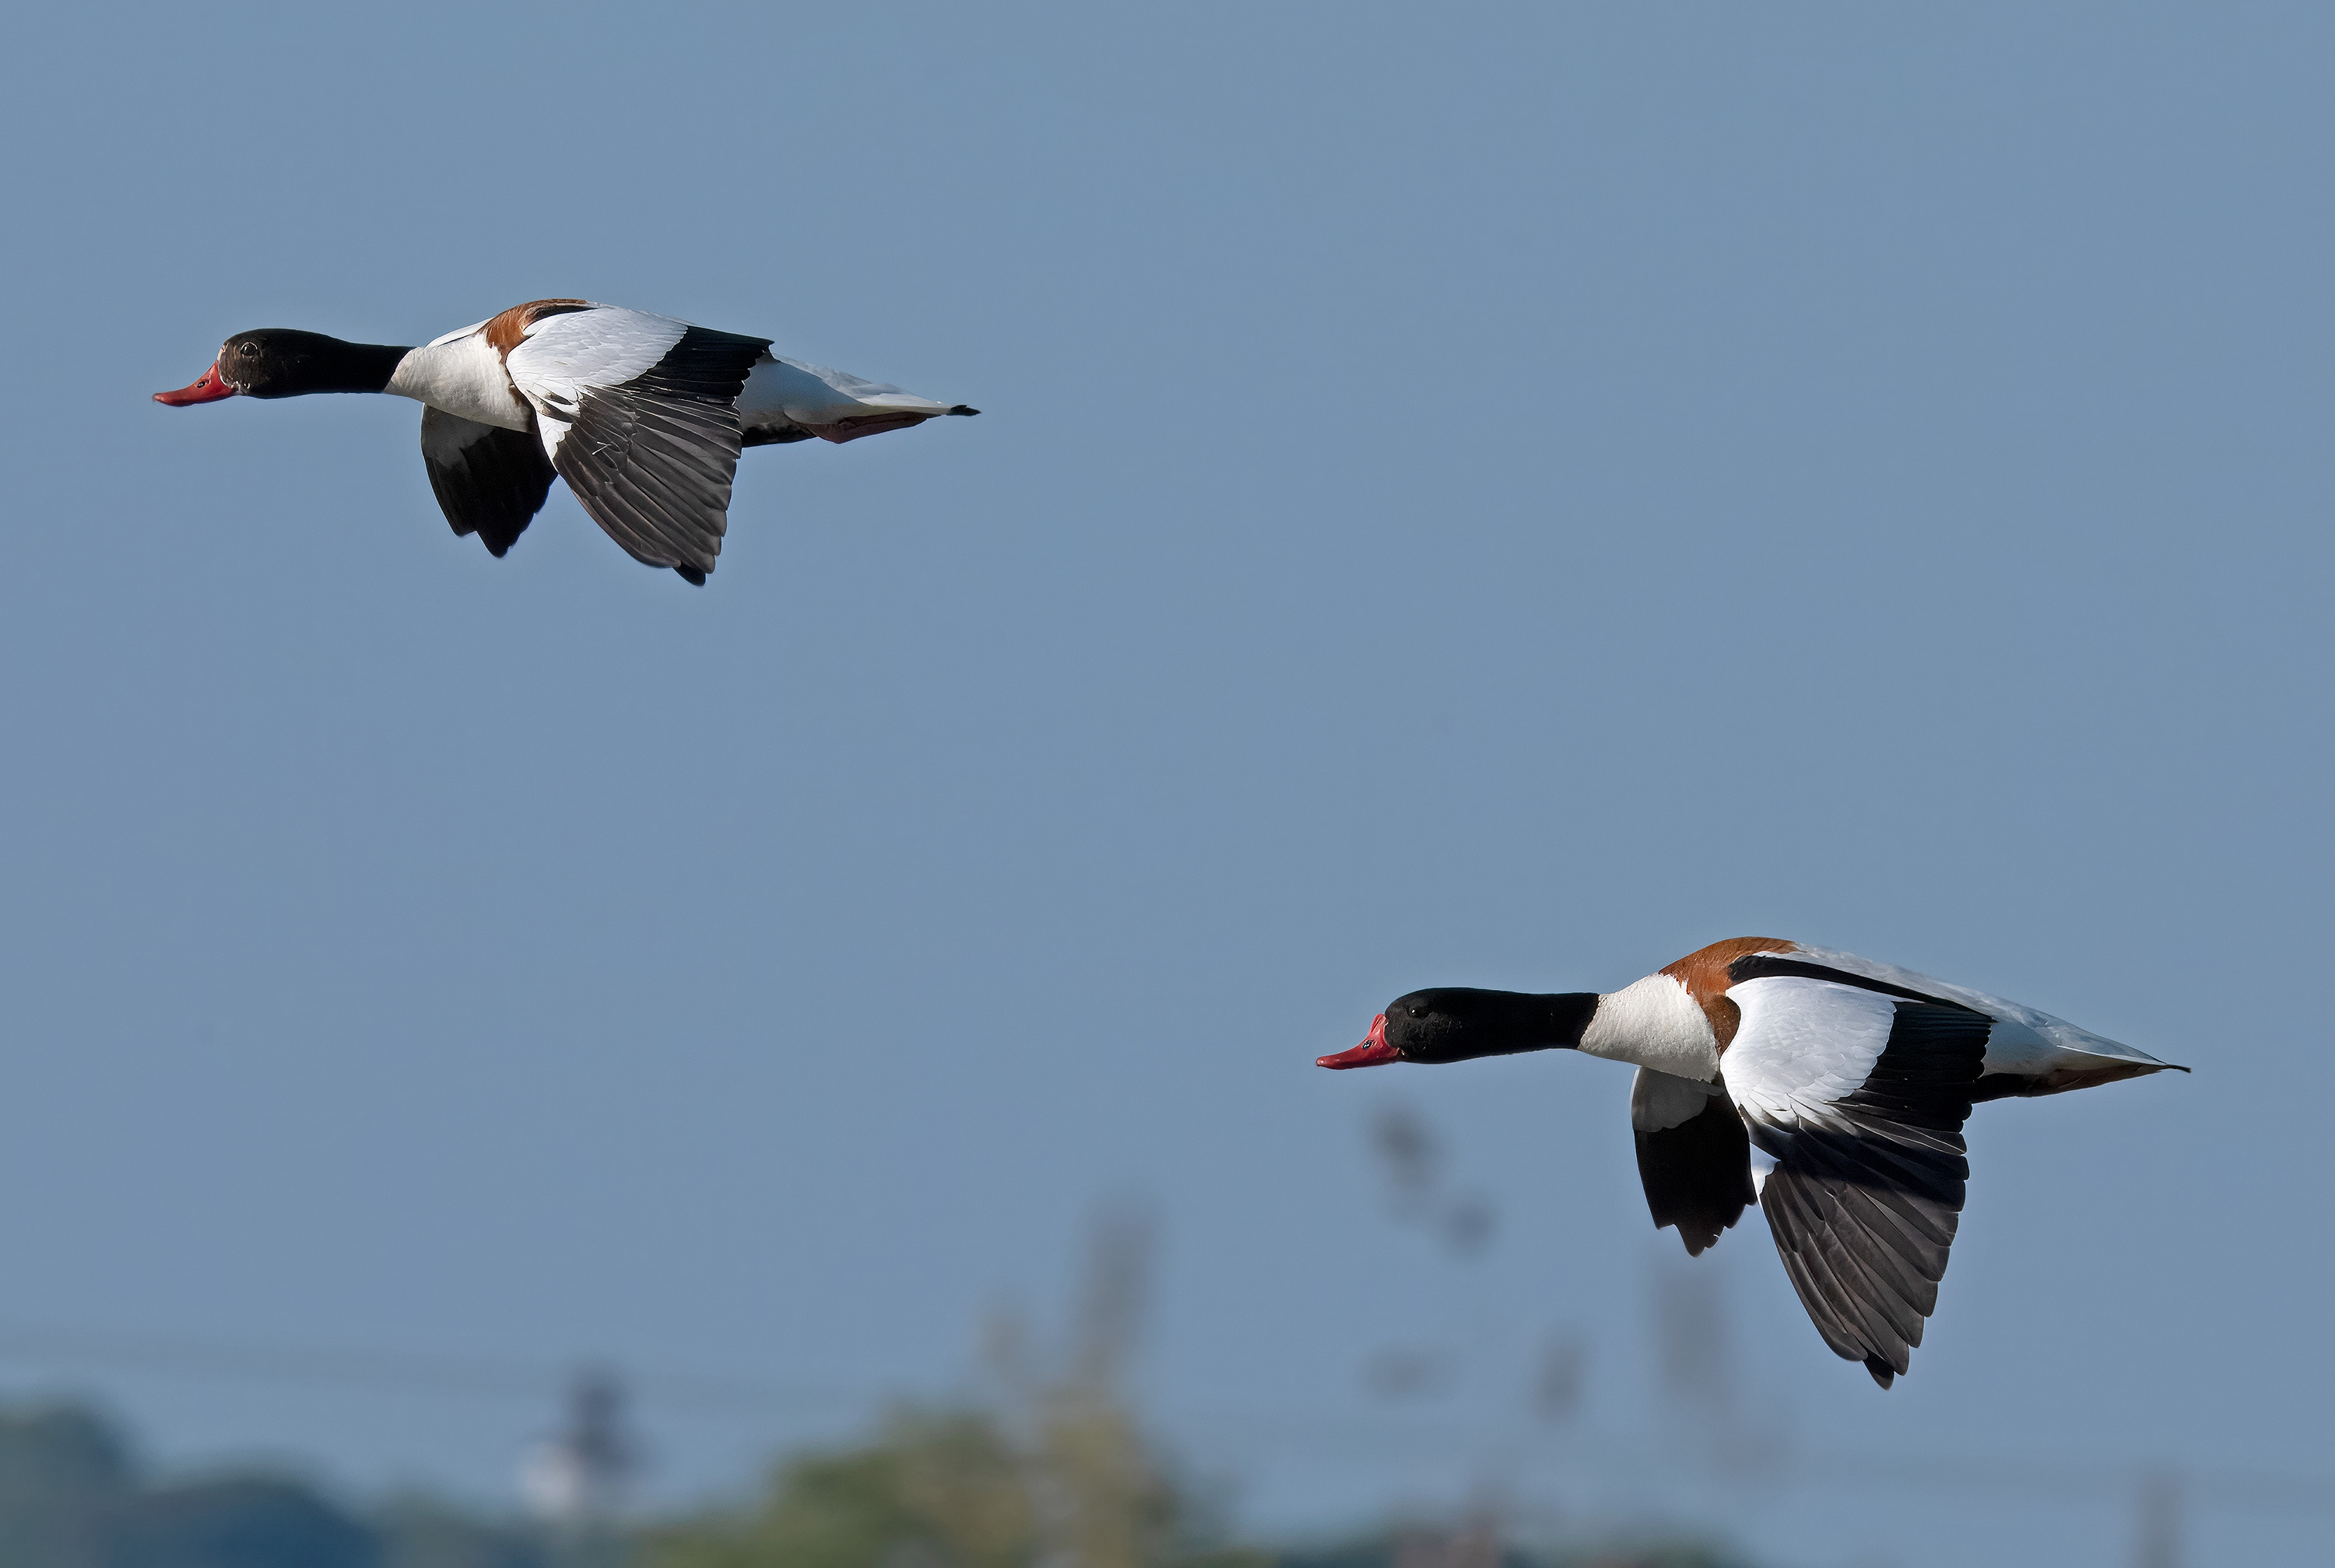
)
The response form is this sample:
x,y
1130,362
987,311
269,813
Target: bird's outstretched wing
x,y
1859,1097
1693,1156
489,481
638,413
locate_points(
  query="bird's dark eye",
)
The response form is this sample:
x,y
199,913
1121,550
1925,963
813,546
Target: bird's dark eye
x,y
250,350
1416,1012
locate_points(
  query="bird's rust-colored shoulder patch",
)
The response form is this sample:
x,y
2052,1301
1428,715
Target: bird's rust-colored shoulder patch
x,y
505,330
1704,973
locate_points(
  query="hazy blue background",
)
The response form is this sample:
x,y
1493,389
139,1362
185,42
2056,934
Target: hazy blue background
x,y
1503,500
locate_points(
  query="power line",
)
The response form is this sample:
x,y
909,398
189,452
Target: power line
x,y
415,1372
432,1374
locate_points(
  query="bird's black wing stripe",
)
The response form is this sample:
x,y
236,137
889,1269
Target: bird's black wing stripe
x,y
489,481
1698,1173
1770,965
651,460
1867,1190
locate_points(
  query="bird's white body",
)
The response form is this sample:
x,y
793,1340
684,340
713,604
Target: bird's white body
x,y
2024,1039
1663,1024
1831,1091
462,375
642,415
816,398
538,381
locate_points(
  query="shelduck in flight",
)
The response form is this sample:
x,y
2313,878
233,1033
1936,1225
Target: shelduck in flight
x,y
1827,1088
642,415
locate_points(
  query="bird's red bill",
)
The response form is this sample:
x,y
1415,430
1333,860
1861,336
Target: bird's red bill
x,y
208,389
1370,1053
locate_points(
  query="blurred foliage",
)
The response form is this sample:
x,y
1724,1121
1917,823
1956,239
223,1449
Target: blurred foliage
x,y
240,1522
1480,1546
424,1533
65,1480
948,1488
1058,1474
1059,1478
71,1496
962,1489
1054,1472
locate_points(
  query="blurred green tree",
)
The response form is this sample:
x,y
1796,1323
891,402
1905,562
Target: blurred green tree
x,y
423,1532
65,1475
959,1489
944,1490
1058,1474
70,1497
240,1522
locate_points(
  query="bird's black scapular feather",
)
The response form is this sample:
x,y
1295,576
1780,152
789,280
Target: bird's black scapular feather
x,y
1774,966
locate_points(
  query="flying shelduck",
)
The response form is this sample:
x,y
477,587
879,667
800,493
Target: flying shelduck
x,y
1829,1090
642,415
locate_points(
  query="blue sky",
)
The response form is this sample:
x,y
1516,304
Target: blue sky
x,y
1500,501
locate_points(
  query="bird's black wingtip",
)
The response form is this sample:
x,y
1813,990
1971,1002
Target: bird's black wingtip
x,y
692,575
963,409
1882,1372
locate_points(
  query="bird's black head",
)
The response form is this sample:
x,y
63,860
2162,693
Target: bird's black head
x,y
282,361
1457,1023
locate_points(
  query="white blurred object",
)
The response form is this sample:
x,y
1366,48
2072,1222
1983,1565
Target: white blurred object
x,y
579,1478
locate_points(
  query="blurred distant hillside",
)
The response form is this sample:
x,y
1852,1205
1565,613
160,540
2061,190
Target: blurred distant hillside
x,y
1051,1469
71,1498
962,1491
959,1489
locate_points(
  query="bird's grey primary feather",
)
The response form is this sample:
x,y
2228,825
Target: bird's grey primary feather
x,y
652,458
